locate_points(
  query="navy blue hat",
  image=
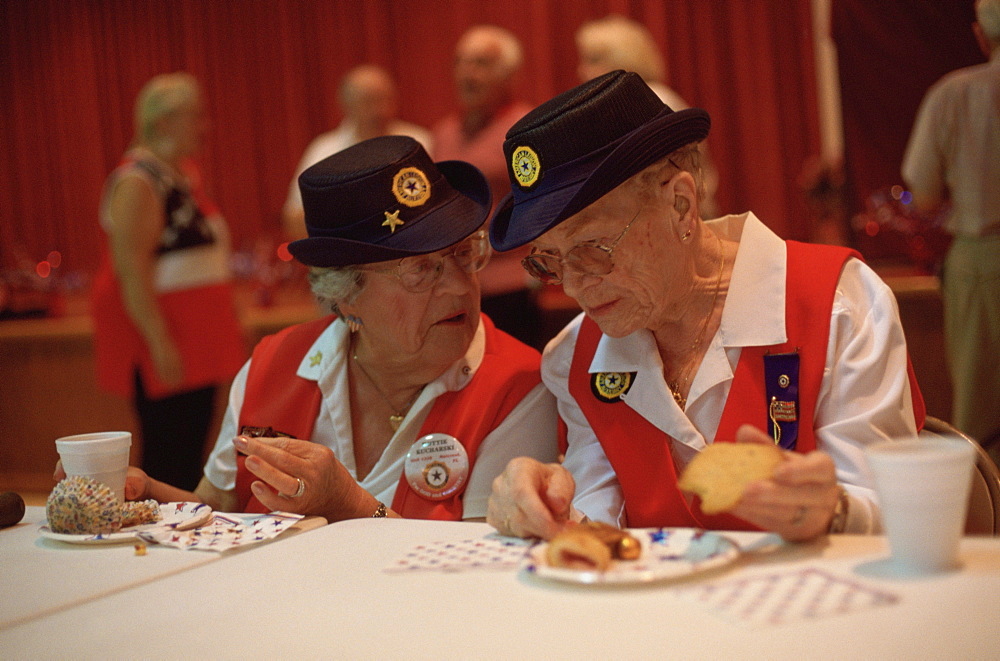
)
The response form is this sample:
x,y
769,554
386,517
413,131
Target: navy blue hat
x,y
385,199
573,149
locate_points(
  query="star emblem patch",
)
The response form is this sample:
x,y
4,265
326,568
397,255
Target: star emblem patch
x,y
411,187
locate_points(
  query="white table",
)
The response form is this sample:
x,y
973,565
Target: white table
x,y
40,575
325,594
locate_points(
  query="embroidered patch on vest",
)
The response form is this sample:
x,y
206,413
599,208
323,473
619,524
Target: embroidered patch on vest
x,y
608,387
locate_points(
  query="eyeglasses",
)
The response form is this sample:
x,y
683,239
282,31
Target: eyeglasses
x,y
420,273
590,258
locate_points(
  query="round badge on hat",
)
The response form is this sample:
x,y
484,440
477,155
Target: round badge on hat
x,y
525,166
437,466
410,186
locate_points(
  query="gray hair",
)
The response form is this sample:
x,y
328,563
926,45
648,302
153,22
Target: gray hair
x,y
621,43
686,159
988,17
511,55
161,96
335,284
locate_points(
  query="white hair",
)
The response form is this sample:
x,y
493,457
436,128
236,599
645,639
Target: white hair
x,y
332,285
621,43
511,55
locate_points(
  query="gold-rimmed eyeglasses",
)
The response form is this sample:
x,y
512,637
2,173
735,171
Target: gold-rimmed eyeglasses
x,y
590,258
421,272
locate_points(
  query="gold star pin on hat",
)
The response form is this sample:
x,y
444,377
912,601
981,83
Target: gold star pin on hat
x,y
392,220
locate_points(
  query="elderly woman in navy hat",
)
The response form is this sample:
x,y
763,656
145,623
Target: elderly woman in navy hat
x,y
407,401
694,332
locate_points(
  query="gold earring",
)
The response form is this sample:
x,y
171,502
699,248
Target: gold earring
x,y
686,235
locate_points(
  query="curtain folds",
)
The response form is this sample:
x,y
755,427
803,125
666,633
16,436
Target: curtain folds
x,y
70,70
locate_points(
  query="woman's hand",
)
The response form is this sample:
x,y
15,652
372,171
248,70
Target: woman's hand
x,y
329,490
531,499
798,501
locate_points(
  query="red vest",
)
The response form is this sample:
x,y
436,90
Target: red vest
x,y
278,398
640,453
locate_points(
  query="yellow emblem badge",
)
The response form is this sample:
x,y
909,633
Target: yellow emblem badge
x,y
610,386
410,186
525,166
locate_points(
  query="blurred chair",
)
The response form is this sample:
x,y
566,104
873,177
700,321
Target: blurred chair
x,y
984,499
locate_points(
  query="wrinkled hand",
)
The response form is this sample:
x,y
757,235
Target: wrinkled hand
x,y
330,491
799,499
531,499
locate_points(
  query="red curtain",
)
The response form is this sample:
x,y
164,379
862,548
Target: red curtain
x,y
70,70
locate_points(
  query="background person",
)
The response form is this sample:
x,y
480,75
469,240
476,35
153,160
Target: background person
x,y
488,60
954,156
616,42
166,332
369,103
395,244
691,330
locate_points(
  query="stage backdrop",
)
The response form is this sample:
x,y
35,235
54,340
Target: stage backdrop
x,y
70,71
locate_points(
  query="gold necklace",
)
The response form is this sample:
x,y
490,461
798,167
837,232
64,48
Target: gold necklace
x,y
677,386
396,419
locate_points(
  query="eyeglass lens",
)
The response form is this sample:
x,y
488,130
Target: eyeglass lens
x,y
421,273
587,258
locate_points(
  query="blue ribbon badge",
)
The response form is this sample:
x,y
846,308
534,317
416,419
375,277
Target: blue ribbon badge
x,y
781,385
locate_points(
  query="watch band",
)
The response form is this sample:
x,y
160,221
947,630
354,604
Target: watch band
x,y
838,523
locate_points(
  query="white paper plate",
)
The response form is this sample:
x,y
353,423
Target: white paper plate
x,y
174,516
666,553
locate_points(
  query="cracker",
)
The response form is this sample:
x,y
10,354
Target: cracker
x,y
721,472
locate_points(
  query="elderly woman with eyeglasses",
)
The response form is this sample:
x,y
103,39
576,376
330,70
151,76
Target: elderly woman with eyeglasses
x,y
407,401
694,332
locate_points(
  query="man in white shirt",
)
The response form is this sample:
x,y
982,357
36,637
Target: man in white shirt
x,y
954,156
367,97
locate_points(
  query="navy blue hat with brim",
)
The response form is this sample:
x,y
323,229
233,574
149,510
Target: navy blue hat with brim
x,y
580,145
386,199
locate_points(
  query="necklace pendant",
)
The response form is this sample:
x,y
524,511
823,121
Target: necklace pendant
x,y
395,421
675,390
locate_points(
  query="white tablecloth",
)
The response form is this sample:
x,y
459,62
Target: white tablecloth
x,y
40,575
326,594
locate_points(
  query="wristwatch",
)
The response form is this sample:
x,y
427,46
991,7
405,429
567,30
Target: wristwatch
x,y
839,520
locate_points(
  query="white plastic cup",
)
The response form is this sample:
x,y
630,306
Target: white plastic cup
x,y
101,456
923,489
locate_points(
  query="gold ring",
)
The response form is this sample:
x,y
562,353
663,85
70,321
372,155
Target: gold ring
x,y
298,492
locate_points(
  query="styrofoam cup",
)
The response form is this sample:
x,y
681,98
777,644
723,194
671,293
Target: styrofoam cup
x,y
923,489
101,456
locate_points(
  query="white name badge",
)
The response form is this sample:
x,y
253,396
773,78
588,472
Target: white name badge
x,y
437,466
